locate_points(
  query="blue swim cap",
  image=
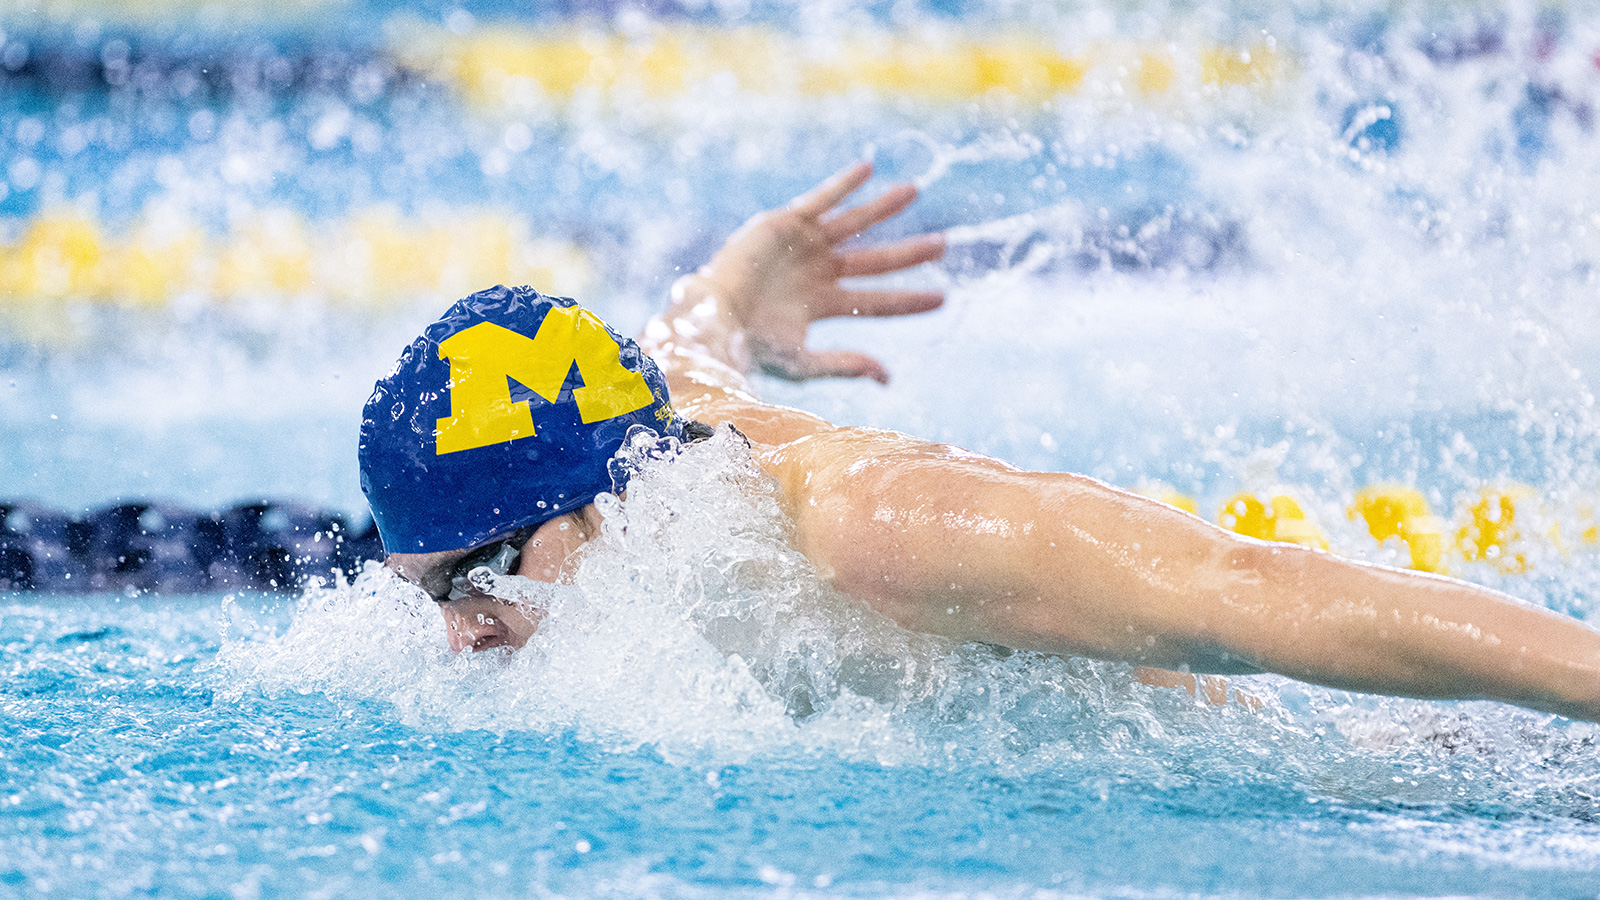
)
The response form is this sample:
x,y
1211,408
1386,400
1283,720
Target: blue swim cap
x,y
502,415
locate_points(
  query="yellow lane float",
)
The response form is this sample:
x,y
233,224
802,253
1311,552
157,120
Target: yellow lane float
x,y
1280,518
1491,533
517,67
1501,526
1171,496
373,256
1393,511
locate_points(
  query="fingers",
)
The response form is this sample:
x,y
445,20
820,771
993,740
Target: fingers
x,y
805,365
857,219
842,364
879,304
891,257
851,222
828,194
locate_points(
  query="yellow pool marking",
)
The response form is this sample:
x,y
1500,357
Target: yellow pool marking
x,y
1171,496
1393,511
514,67
1504,526
1491,532
1279,518
373,256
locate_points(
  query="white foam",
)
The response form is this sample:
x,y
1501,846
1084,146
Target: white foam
x,y
694,628
1448,278
691,625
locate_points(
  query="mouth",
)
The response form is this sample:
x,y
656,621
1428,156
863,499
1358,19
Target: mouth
x,y
490,641
486,636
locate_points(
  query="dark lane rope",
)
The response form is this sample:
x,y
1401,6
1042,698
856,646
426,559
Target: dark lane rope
x,y
171,550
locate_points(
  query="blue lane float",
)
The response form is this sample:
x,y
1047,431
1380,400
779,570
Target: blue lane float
x,y
169,549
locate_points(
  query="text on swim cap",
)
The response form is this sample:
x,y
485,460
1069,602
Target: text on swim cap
x,y
484,356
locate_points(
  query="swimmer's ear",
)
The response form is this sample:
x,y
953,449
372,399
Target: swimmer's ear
x,y
694,432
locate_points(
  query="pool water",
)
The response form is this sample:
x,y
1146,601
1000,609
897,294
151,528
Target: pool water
x,y
133,769
1218,253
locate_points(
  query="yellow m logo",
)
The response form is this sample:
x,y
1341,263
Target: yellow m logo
x,y
484,356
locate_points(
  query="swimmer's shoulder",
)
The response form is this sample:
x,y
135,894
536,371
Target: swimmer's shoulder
x,y
804,451
764,424
791,445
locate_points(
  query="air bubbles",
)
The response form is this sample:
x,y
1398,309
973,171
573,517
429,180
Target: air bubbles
x,y
86,33
202,125
331,127
608,504
24,173
459,21
368,83
30,131
115,60
14,55
517,137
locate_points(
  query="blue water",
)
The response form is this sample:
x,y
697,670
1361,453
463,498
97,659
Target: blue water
x,y
1220,289
129,774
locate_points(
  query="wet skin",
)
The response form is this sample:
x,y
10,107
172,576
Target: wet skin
x,y
480,622
949,542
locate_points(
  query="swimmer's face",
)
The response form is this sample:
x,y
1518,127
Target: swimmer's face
x,y
478,621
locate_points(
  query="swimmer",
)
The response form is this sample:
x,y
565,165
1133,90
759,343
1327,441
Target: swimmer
x,y
466,469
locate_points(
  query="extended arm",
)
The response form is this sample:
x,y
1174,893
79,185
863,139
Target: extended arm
x,y
752,304
953,543
956,544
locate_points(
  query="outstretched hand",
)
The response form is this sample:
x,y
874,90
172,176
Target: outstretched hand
x,y
780,272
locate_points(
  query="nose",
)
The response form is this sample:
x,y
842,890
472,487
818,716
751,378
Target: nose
x,y
473,629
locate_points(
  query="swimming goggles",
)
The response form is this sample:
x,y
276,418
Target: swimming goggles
x,y
498,557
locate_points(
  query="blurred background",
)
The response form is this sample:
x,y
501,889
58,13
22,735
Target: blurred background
x,y
1319,272
1340,256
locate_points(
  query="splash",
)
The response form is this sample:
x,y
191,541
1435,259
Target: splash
x,y
1357,249
691,625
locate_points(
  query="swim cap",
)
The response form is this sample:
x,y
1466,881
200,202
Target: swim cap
x,y
503,414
